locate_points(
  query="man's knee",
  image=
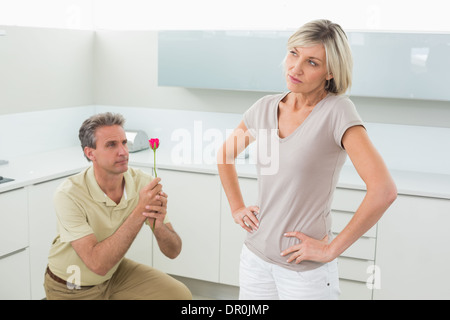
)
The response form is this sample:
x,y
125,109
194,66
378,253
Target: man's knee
x,y
177,291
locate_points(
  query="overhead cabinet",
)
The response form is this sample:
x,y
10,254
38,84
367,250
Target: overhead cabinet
x,y
389,65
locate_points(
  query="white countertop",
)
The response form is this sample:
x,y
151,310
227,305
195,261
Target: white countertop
x,y
41,167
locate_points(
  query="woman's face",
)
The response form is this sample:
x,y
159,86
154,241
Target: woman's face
x,y
306,70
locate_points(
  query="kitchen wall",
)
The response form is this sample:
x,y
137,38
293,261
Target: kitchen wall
x,y
45,68
126,75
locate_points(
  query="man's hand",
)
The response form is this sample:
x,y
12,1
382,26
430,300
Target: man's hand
x,y
153,202
156,213
155,209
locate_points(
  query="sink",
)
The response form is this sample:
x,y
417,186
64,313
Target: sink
x,y
3,179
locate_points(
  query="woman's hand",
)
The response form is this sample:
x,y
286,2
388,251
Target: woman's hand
x,y
246,218
308,249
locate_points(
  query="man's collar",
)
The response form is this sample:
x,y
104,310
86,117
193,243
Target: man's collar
x,y
97,193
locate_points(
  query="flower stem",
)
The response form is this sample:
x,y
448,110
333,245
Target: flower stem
x,y
154,169
154,163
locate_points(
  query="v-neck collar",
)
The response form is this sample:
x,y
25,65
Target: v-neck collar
x,y
277,106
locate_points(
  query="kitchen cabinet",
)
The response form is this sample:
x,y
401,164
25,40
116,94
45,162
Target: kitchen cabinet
x,y
15,276
14,253
232,235
141,250
42,230
414,63
357,263
13,221
193,210
413,252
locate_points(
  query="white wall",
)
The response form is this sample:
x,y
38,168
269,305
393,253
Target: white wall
x,y
398,15
61,14
40,131
42,68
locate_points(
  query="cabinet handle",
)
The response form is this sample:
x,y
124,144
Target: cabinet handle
x,y
13,253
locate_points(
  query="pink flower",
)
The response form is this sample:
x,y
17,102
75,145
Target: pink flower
x,y
154,143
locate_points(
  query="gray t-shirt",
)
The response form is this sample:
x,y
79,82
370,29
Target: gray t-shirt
x,y
297,175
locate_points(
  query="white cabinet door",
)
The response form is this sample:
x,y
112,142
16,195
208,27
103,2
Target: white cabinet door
x,y
13,221
15,276
141,249
42,228
413,249
232,235
14,259
194,211
356,264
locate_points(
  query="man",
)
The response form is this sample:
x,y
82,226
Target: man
x,y
99,213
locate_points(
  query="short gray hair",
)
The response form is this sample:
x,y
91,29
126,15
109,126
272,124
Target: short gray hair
x,y
90,125
337,49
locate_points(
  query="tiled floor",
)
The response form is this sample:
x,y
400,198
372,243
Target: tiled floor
x,y
204,290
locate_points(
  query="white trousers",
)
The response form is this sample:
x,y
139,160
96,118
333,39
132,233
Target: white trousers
x,y
261,280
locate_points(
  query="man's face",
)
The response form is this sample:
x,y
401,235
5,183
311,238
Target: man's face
x,y
111,152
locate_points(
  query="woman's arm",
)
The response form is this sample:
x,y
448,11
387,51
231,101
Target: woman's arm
x,y
381,192
233,146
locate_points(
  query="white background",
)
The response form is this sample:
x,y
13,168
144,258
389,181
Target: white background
x,y
377,15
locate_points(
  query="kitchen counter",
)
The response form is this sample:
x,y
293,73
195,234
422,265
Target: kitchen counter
x,y
41,167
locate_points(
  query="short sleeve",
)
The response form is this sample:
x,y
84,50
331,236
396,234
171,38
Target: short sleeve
x,y
345,116
249,118
71,219
262,114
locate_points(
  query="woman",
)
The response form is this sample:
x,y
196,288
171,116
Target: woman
x,y
289,252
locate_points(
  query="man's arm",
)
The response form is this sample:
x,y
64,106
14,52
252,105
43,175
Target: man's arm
x,y
101,256
169,241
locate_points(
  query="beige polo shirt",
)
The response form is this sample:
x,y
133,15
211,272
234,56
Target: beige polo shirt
x,y
82,208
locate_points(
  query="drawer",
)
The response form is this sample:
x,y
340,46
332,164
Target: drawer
x,y
15,276
355,269
341,218
363,248
13,221
353,290
347,199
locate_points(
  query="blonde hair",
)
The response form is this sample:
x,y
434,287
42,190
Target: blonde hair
x,y
337,50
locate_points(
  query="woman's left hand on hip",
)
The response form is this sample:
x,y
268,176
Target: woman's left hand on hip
x,y
308,248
